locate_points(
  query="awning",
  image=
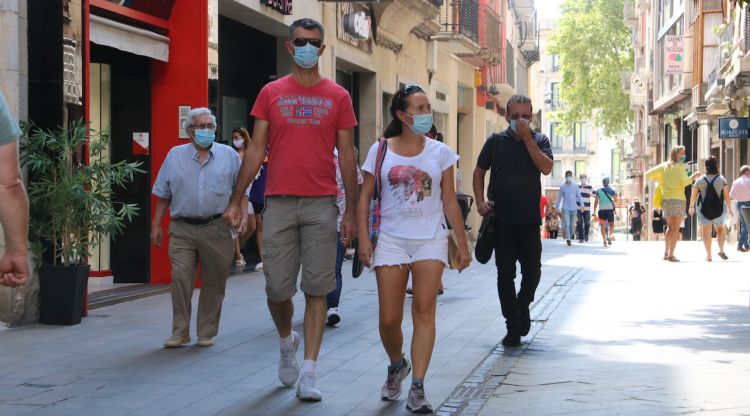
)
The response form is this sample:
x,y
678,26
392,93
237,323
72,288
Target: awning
x,y
128,38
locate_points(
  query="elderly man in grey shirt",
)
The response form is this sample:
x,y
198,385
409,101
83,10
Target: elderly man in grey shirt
x,y
195,183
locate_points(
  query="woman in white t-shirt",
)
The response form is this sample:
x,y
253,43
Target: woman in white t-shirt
x,y
417,195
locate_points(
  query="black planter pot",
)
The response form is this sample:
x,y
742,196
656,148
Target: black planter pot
x,y
62,290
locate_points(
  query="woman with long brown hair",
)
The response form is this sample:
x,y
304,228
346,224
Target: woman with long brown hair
x,y
240,141
414,178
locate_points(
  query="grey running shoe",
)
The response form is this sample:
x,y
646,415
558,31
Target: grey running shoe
x,y
306,390
392,387
288,368
416,401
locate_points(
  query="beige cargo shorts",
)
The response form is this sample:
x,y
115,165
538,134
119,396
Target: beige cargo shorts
x,y
299,232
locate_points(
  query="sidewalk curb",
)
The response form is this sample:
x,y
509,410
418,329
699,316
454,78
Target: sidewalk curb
x,y
470,396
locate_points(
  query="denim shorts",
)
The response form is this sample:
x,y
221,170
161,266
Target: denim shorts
x,y
705,221
395,251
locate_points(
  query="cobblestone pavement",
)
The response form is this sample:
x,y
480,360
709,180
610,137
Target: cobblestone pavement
x,y
615,331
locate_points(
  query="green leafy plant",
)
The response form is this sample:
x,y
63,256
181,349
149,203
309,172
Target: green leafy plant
x,y
70,203
595,47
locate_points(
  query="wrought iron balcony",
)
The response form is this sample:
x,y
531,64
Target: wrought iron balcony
x,y
460,22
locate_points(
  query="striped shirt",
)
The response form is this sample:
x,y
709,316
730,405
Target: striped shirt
x,y
586,191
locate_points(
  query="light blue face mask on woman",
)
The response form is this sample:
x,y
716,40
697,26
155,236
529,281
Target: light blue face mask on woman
x,y
683,158
204,137
422,123
306,56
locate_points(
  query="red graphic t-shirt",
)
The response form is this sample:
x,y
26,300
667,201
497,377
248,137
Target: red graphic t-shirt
x,y
303,125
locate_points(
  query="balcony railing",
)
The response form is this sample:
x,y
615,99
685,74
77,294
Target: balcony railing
x,y
491,32
726,44
462,16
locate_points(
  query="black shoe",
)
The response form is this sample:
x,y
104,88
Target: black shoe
x,y
580,241
567,241
512,339
525,320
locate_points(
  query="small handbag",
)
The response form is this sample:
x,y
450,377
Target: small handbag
x,y
374,222
486,239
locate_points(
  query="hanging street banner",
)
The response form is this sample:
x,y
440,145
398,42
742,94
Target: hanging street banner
x,y
733,128
674,54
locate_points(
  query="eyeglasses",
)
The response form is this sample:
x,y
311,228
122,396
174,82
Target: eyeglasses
x,y
304,41
209,126
516,116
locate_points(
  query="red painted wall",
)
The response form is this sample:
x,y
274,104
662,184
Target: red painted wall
x,y
181,81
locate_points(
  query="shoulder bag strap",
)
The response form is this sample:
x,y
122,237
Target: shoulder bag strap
x,y
382,147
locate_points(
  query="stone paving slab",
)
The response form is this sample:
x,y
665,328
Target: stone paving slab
x,y
640,336
113,363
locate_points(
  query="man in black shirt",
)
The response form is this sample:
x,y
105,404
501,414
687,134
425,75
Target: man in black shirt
x,y
515,157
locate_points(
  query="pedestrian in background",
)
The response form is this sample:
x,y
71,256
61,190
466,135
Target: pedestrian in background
x,y
635,213
740,192
604,206
569,203
258,201
14,208
417,196
516,156
301,118
240,141
673,177
195,182
712,207
333,298
551,223
583,227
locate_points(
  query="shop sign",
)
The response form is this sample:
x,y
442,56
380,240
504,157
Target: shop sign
x,y
282,6
182,112
357,25
140,143
674,52
638,91
733,128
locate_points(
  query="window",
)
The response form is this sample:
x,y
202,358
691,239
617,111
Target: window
x,y
553,96
580,167
553,63
554,136
579,137
557,169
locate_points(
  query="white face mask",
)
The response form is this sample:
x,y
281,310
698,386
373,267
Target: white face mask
x,y
238,143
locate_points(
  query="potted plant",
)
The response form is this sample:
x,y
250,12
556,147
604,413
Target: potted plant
x,y
71,210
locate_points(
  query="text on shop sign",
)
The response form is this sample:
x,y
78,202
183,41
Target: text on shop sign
x,y
733,128
282,6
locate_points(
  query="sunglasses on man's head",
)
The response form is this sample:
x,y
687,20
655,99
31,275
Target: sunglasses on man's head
x,y
304,41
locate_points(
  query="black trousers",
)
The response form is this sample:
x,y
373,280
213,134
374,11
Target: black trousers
x,y
517,243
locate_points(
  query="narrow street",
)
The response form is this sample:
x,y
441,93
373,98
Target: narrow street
x,y
616,331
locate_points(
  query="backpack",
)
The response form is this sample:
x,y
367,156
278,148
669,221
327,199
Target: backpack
x,y
711,204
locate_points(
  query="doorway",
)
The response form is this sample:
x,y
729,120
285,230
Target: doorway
x,y
121,105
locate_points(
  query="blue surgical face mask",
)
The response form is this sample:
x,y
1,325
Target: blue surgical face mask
x,y
514,125
568,179
584,181
204,137
422,123
306,56
683,158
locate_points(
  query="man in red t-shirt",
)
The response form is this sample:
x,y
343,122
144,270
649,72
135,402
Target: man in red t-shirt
x,y
300,118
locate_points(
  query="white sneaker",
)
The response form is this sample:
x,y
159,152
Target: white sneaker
x,y
259,267
288,367
333,317
306,390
